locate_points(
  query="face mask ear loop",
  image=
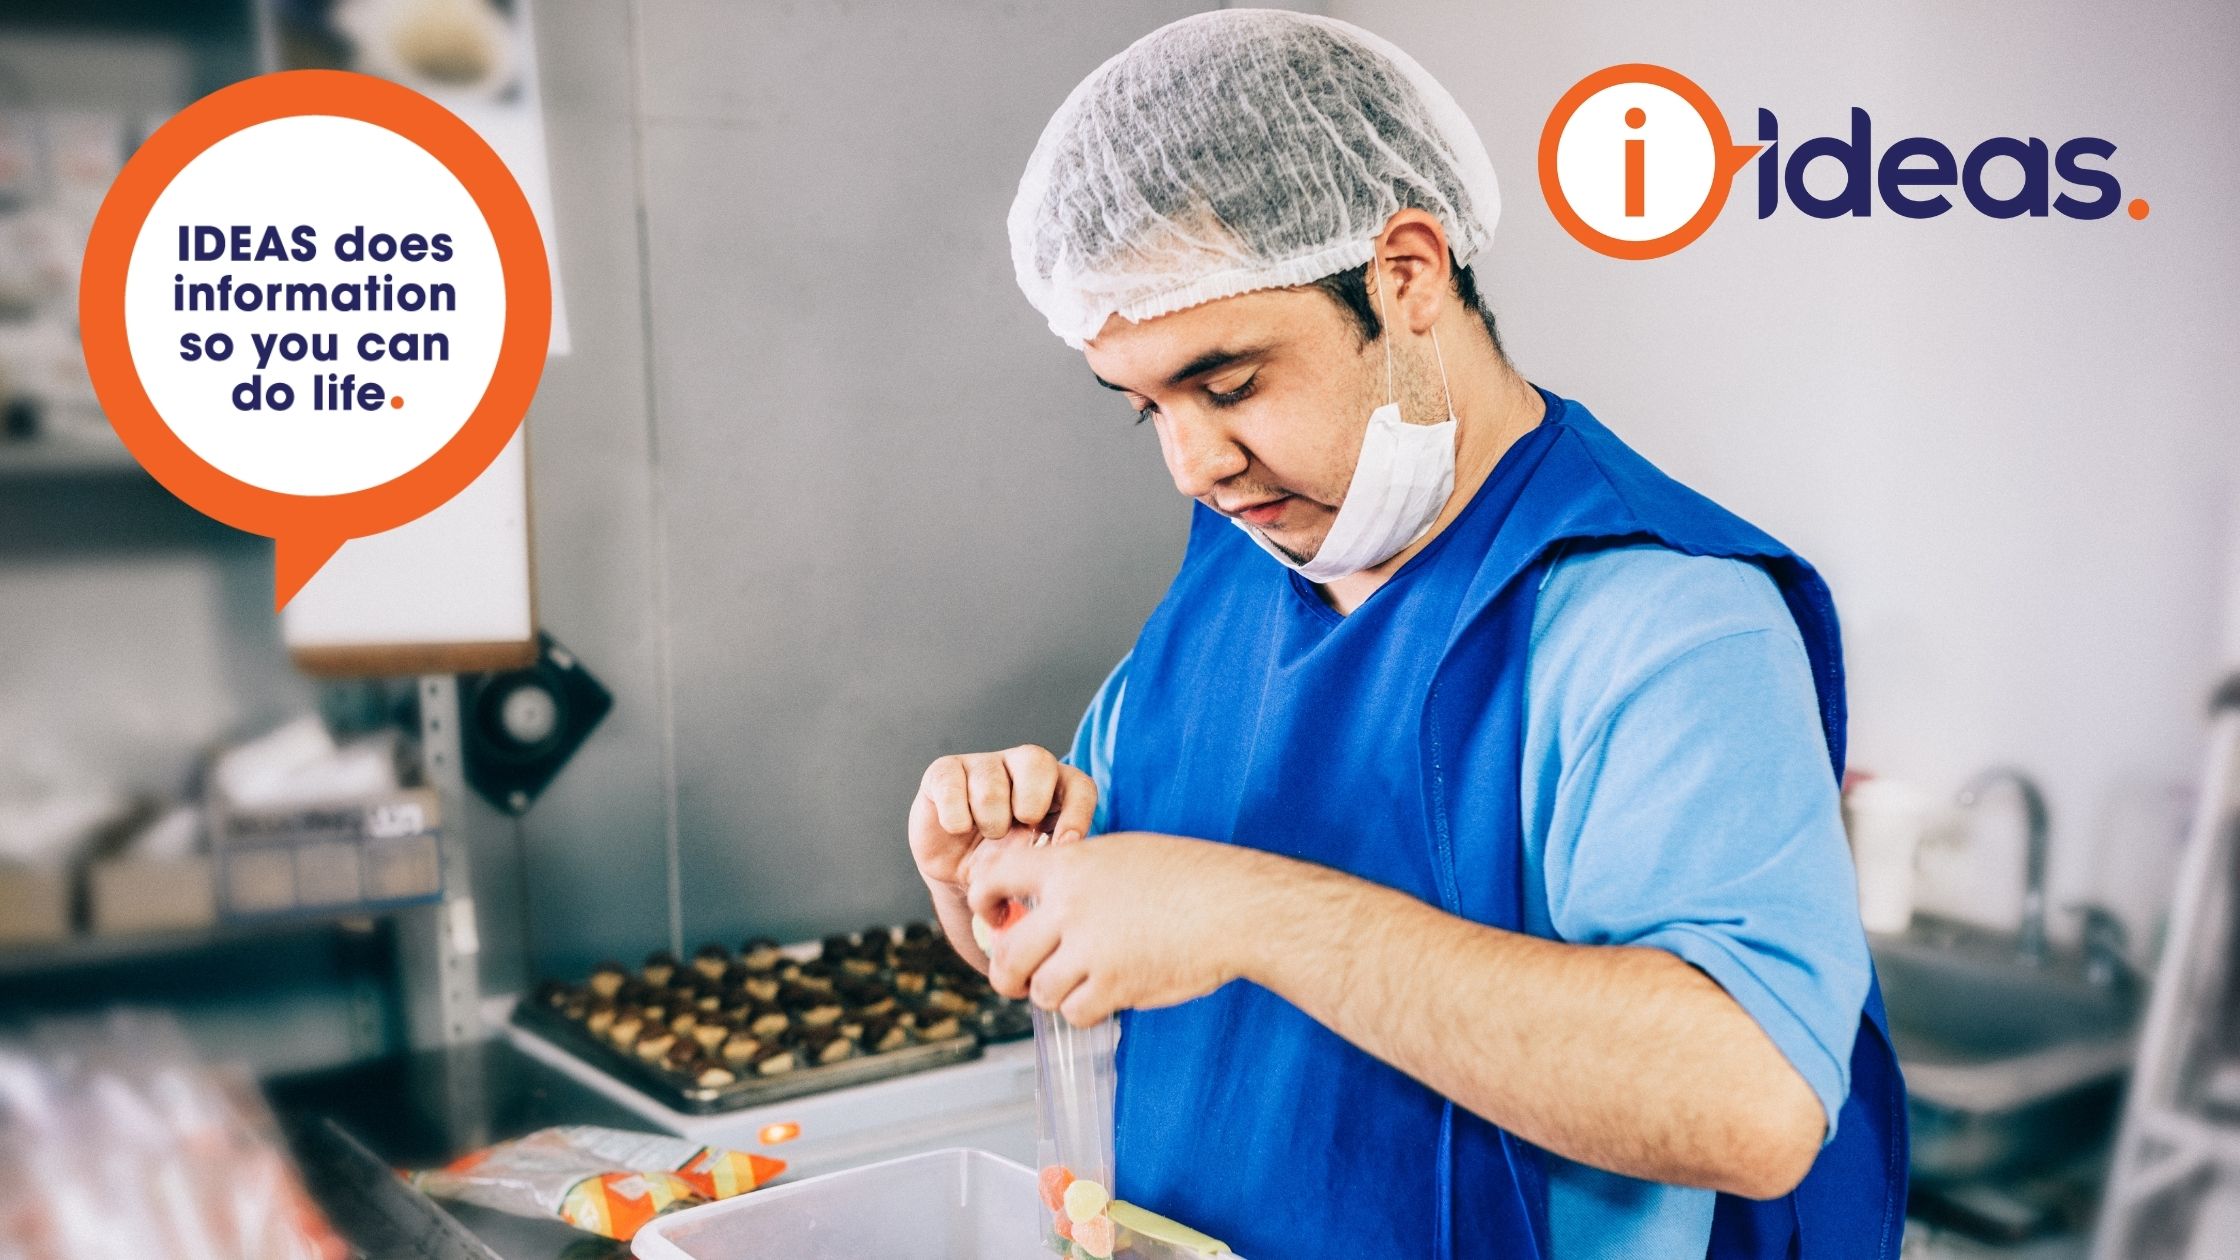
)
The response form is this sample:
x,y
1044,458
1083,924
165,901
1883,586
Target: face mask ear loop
x,y
1376,275
1376,279
1448,394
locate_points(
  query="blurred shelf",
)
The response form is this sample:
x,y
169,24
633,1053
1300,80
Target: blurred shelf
x,y
73,456
100,951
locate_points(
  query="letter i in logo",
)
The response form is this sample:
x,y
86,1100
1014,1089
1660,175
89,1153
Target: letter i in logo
x,y
1594,161
1637,161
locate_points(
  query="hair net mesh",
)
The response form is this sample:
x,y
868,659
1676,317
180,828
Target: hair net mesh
x,y
1237,150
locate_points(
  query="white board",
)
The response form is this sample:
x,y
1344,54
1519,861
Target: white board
x,y
451,592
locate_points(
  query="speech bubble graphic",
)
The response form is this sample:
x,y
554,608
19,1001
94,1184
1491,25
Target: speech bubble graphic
x,y
368,371
1636,161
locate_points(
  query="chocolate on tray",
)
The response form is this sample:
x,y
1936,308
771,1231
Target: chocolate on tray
x,y
759,954
826,1046
607,978
711,961
628,1023
721,1017
712,1033
710,1074
768,1021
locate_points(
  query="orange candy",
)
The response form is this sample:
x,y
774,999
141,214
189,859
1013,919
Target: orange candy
x,y
1064,1225
1094,1236
1052,1185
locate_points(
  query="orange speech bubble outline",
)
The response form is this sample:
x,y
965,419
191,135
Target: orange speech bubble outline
x,y
308,529
1731,158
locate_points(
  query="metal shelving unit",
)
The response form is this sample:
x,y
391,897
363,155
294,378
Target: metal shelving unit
x,y
72,456
86,952
54,477
433,973
2174,1190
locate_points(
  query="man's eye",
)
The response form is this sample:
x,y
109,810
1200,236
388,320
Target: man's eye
x,y
1146,411
1231,398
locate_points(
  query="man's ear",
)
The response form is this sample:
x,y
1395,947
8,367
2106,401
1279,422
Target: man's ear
x,y
1412,255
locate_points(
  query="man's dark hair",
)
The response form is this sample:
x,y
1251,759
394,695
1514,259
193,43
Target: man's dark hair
x,y
1350,289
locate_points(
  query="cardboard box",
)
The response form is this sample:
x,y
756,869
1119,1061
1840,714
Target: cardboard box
x,y
327,874
34,905
260,881
374,852
134,896
404,868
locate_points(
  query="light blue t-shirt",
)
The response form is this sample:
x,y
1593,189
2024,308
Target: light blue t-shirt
x,y
1676,794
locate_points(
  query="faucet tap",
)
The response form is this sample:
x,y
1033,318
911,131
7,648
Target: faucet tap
x,y
2106,961
2032,938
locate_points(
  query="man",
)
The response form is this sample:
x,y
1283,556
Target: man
x,y
1469,878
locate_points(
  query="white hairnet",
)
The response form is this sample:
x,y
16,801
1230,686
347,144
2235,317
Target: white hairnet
x,y
1237,150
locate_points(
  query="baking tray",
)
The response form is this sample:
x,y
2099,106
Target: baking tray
x,y
748,1092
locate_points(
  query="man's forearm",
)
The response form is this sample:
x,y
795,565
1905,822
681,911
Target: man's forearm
x,y
1623,1058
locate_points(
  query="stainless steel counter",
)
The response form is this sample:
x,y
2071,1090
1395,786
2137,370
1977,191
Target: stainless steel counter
x,y
422,1111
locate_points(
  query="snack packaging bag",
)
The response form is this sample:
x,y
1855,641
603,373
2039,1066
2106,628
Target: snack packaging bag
x,y
604,1181
1073,1150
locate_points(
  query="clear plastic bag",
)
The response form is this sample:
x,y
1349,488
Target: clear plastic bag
x,y
1076,1171
1073,1148
117,1144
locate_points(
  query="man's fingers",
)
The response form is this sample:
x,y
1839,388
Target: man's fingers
x,y
1057,979
1085,1005
1034,782
944,789
1077,804
989,786
1020,949
1000,873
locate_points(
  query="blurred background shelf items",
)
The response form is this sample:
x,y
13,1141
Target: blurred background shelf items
x,y
287,825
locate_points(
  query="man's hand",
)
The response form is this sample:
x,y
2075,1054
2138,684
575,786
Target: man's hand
x,y
964,801
971,797
1132,921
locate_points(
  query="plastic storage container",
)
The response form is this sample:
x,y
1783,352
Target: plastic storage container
x,y
942,1205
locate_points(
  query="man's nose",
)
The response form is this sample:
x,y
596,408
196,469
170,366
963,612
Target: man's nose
x,y
1200,456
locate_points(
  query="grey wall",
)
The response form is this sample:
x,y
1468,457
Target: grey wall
x,y
594,864
818,494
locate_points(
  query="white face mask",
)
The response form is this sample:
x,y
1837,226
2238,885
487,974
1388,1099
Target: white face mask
x,y
1401,481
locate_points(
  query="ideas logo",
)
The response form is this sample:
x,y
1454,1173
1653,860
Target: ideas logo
x,y
1636,162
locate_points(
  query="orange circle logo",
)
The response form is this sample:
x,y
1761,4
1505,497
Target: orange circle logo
x,y
1636,161
308,527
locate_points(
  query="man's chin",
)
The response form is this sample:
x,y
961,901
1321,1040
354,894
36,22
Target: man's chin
x,y
1290,551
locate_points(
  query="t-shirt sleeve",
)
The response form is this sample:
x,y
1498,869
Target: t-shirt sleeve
x,y
1692,807
1093,740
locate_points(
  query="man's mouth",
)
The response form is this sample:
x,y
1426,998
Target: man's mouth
x,y
1262,513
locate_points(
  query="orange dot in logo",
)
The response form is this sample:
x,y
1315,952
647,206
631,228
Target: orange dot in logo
x,y
1634,117
396,400
2138,207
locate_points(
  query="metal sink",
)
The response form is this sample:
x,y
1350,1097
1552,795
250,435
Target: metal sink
x,y
2008,1064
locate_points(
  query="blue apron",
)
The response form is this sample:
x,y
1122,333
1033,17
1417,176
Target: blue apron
x,y
1387,744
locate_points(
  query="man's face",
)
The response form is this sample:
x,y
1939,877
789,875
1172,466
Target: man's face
x,y
1260,402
